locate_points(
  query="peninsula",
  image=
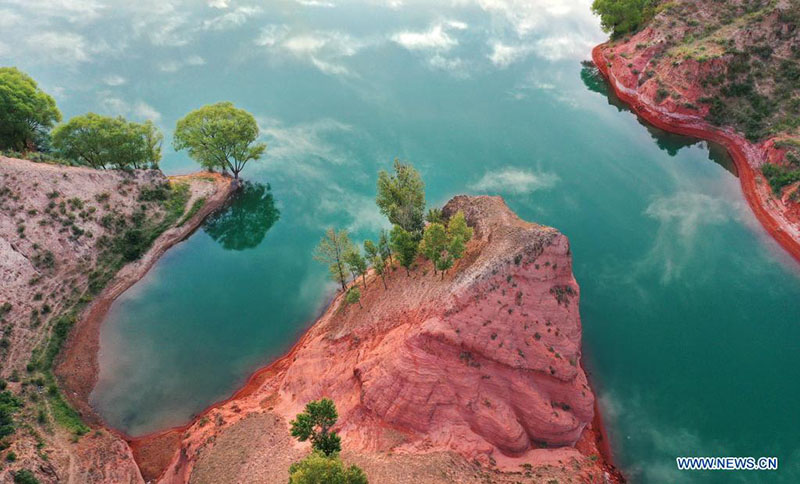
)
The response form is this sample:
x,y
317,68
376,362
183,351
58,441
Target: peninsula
x,y
727,72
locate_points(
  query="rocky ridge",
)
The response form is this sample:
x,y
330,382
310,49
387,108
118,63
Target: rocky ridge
x,y
481,368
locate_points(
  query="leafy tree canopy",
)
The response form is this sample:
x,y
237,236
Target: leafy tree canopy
x,y
320,469
405,246
353,296
434,242
370,249
219,136
383,245
356,263
622,16
434,216
332,250
459,234
26,112
315,424
244,223
102,142
401,197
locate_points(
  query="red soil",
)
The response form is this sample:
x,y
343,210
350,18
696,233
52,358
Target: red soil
x,y
485,363
780,224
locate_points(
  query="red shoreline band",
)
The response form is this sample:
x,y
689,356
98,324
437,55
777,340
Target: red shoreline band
x,y
732,145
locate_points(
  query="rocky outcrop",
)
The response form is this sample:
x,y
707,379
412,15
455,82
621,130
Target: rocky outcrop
x,y
722,72
484,363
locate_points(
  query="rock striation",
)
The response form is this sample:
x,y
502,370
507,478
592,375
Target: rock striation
x,y
484,363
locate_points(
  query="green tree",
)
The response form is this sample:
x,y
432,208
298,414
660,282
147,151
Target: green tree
x,y
103,141
384,247
357,264
434,243
26,112
370,249
379,264
315,424
331,251
401,197
353,296
317,468
459,234
375,257
219,136
623,16
434,216
444,263
405,246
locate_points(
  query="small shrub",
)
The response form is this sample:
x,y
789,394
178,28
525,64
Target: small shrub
x,y
24,476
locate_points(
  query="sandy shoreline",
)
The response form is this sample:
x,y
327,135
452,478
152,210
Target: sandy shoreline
x,y
77,367
744,154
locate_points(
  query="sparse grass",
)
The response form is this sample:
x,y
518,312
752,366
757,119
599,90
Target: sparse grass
x,y
196,206
161,207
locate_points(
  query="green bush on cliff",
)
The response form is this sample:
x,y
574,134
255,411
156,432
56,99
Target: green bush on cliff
x,y
779,176
622,16
323,465
318,468
315,424
24,476
9,404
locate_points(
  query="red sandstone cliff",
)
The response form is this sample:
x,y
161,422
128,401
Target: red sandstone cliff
x,y
698,63
482,367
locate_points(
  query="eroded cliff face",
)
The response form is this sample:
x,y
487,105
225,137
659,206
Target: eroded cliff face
x,y
728,72
483,365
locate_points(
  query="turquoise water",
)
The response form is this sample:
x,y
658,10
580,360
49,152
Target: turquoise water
x,y
691,314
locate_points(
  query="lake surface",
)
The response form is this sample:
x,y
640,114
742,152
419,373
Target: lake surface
x,y
691,313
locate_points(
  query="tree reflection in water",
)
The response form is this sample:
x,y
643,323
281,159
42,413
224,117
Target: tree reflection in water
x,y
244,222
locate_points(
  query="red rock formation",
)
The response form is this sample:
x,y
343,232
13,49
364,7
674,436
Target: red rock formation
x,y
485,363
646,64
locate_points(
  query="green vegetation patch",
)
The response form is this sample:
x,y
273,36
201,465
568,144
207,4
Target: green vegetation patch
x,y
780,177
196,206
161,206
620,17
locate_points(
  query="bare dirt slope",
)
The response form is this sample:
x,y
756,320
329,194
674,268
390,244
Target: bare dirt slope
x,y
473,378
65,232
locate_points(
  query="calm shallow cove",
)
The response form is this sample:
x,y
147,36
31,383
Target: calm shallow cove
x,y
691,314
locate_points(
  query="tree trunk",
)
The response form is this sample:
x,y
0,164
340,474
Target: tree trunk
x,y
408,273
341,276
442,275
359,303
364,278
384,282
